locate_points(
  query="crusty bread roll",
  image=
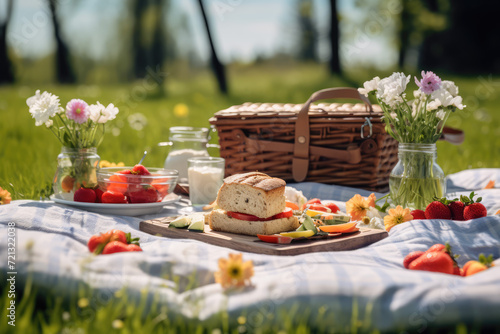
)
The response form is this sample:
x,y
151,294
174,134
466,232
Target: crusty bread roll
x,y
220,221
253,193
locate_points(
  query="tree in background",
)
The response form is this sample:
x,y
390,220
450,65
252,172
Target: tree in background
x,y
334,39
308,35
6,72
217,67
64,71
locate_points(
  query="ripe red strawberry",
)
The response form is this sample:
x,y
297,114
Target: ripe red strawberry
x,y
418,214
140,170
438,248
411,257
85,195
117,247
437,210
98,195
474,210
457,270
97,243
433,261
457,210
147,194
113,197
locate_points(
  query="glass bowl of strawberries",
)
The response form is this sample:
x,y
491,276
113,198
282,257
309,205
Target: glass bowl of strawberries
x,y
136,184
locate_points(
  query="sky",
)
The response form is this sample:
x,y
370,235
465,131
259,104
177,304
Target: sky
x,y
242,29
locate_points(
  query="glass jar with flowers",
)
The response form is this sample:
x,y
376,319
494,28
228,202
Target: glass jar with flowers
x,y
80,129
416,124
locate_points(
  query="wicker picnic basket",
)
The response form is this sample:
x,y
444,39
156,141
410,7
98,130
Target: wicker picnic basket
x,y
333,143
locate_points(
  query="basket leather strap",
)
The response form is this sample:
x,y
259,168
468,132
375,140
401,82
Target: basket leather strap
x,y
452,135
301,150
351,155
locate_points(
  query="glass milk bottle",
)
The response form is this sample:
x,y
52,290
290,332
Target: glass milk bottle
x,y
185,142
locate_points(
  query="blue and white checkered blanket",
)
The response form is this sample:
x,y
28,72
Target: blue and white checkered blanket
x,y
51,246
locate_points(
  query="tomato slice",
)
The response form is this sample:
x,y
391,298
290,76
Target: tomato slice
x,y
319,207
275,239
332,206
243,216
311,201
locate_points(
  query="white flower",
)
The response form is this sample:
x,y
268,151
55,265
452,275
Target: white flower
x,y
440,114
369,86
442,97
101,114
450,87
49,123
43,106
391,89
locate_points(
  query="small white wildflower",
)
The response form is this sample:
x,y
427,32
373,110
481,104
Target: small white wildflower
x,y
450,87
49,123
441,114
444,98
369,86
101,114
43,106
391,89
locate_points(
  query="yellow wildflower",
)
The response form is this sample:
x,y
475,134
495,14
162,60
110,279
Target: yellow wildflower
x,y
181,110
233,272
357,206
397,216
106,163
4,196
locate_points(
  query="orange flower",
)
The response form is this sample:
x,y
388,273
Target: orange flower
x,y
4,196
490,185
397,216
358,205
233,272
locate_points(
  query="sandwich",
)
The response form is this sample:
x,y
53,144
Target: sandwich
x,y
251,204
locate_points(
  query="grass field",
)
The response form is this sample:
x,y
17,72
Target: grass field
x,y
29,153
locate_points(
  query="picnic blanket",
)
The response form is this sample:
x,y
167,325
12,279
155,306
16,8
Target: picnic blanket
x,y
51,246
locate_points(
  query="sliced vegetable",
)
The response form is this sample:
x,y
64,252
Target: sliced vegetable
x,y
332,206
298,234
180,222
311,201
291,205
341,228
351,230
275,238
314,213
319,207
197,225
309,224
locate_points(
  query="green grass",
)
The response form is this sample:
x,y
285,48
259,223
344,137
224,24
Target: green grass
x,y
29,153
29,161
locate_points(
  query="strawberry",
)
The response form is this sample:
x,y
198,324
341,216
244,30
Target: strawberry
x,y
97,242
140,170
437,210
438,248
411,257
433,261
98,195
132,245
85,195
113,197
418,214
457,210
473,209
473,267
146,194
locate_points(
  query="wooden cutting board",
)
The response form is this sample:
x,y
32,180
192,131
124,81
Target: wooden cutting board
x,y
245,243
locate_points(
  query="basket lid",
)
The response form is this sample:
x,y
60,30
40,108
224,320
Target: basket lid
x,y
250,110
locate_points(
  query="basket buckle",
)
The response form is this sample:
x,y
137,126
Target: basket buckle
x,y
367,123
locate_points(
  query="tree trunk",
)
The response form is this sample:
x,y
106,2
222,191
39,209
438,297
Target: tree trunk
x,y
6,73
334,39
64,71
404,35
217,66
139,51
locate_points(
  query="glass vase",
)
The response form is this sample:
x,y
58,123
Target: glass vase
x,y
76,167
416,179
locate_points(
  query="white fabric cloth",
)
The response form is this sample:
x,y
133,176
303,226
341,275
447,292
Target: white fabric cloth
x,y
51,246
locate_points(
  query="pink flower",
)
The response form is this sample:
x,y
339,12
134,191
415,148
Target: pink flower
x,y
77,110
430,82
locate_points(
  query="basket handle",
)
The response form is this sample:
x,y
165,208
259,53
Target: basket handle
x,y
300,163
